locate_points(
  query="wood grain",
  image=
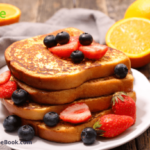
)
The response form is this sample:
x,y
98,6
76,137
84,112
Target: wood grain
x,y
143,141
28,8
92,4
128,146
117,8
48,7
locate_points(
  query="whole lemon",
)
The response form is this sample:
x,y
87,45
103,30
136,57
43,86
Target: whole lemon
x,y
139,8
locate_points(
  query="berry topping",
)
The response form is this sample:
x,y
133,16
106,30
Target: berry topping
x,y
50,41
51,119
85,39
121,71
74,38
11,123
94,51
66,49
4,77
19,96
76,113
122,104
77,56
7,89
112,125
26,133
88,136
62,38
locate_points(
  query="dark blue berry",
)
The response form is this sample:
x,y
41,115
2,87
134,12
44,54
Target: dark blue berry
x,y
11,123
77,56
121,71
85,39
50,41
26,133
62,38
51,119
19,96
88,136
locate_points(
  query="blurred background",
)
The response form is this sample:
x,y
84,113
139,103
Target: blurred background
x,y
41,10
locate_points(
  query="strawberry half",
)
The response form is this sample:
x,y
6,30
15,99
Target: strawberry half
x,y
66,49
112,125
4,77
94,51
122,104
74,38
7,89
76,113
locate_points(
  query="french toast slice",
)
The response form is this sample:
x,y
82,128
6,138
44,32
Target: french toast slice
x,y
63,132
34,111
93,88
31,62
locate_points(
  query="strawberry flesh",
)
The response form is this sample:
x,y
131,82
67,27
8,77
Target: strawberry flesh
x,y
4,77
7,89
94,51
74,38
76,113
66,49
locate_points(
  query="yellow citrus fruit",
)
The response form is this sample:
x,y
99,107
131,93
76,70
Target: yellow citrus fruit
x,y
8,14
139,8
132,36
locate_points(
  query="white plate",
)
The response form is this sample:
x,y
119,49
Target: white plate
x,y
142,89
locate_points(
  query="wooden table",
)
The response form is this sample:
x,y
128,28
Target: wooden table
x,y
41,10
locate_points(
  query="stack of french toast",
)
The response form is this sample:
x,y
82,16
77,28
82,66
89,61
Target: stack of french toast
x,y
54,83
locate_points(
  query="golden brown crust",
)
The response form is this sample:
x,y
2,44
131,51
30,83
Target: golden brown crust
x,y
34,111
63,132
93,88
31,62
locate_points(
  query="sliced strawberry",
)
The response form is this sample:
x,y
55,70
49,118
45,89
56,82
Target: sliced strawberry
x,y
4,77
76,113
7,89
74,38
66,49
94,51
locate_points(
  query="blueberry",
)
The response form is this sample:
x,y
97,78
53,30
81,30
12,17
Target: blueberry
x,y
11,123
85,39
51,119
88,136
50,41
62,38
77,56
26,133
121,71
19,96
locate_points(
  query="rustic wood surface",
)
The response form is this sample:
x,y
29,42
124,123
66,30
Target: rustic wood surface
x,y
41,10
